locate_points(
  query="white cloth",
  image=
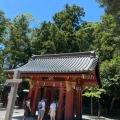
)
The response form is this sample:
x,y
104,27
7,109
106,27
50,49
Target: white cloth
x,y
43,106
28,103
52,110
53,106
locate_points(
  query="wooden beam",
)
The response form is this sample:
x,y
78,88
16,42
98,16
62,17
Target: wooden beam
x,y
50,83
63,77
49,74
93,84
88,80
57,84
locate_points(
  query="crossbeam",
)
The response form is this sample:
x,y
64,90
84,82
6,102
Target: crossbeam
x,y
13,80
51,83
49,75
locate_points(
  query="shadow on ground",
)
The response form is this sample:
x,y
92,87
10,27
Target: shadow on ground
x,y
30,118
21,118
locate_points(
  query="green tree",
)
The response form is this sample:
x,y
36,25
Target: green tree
x,y
43,39
3,25
85,36
17,45
68,21
93,92
110,75
105,38
70,18
110,6
14,44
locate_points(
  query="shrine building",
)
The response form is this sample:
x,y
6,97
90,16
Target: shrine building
x,y
63,74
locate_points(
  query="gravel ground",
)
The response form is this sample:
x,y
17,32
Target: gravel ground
x,y
18,115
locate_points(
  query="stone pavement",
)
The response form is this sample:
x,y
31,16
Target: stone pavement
x,y
18,115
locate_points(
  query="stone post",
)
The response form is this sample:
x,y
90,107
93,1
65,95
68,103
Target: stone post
x,y
12,97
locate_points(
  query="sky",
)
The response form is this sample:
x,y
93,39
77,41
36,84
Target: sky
x,y
44,10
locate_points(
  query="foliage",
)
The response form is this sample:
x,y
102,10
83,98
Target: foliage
x,y
110,74
43,39
3,24
70,18
110,6
104,38
25,85
93,92
85,36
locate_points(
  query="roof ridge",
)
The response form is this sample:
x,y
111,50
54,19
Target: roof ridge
x,y
74,54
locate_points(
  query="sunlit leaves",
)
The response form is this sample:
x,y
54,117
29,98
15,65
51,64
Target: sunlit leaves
x,y
93,92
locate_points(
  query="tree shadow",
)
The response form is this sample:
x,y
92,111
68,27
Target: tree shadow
x,y
21,118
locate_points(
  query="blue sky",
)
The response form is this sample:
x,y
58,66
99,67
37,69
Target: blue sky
x,y
45,9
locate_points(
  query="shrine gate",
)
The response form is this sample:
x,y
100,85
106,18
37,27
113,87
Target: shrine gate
x,y
67,73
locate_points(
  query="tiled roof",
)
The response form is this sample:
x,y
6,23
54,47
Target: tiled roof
x,y
81,62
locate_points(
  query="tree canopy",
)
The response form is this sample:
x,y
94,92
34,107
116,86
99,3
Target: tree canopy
x,y
110,6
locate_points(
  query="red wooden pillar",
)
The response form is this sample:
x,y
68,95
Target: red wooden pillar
x,y
74,102
30,92
5,99
60,104
35,101
80,93
79,104
69,105
25,97
30,95
45,95
52,94
48,97
45,92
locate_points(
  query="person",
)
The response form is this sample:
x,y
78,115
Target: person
x,y
41,109
27,109
52,110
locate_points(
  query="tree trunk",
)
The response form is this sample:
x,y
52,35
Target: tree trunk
x,y
91,106
112,103
113,100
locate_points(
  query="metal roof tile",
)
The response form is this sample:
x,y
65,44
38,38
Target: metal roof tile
x,y
82,62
